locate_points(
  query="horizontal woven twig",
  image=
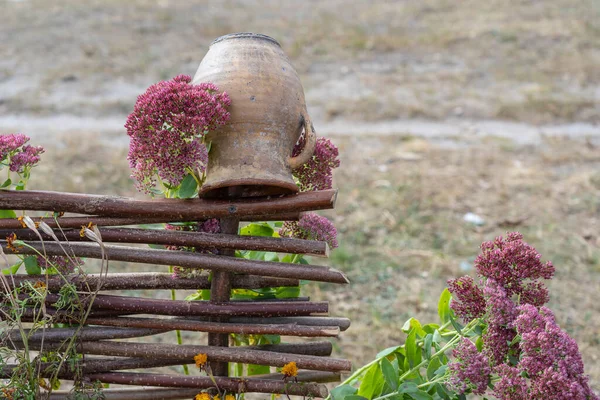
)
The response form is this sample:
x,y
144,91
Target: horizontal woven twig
x,y
178,394
218,327
187,239
169,209
148,280
188,260
186,353
140,305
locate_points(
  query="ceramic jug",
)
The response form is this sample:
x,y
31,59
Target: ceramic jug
x,y
251,155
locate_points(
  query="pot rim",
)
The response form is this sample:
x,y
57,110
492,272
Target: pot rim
x,y
245,35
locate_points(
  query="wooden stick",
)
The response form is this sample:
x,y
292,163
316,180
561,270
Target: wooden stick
x,y
186,353
84,333
148,280
189,260
224,328
178,394
231,385
77,222
220,291
169,209
187,308
187,239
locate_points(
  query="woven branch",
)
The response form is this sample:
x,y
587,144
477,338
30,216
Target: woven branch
x,y
187,239
189,260
147,280
168,209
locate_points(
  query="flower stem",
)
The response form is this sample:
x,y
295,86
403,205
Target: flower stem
x,y
178,332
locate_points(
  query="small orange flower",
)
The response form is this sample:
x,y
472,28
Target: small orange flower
x,y
202,396
23,224
200,360
83,227
290,370
39,284
8,393
230,397
10,242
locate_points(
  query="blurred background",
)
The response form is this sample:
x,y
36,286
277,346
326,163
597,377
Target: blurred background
x,y
457,121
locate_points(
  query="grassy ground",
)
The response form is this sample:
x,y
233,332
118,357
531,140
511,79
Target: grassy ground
x,y
402,234
402,199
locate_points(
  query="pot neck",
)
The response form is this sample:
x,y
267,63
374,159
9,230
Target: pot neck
x,y
246,35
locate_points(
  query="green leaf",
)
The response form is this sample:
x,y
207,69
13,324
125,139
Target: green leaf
x,y
372,383
390,374
7,214
458,327
255,369
340,392
437,337
271,256
479,343
188,186
156,246
31,265
388,351
433,366
430,328
442,391
413,323
414,392
427,345
354,397
413,352
287,292
20,185
257,229
12,269
202,294
444,306
441,370
6,183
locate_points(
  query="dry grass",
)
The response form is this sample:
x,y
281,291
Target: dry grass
x,y
402,235
529,61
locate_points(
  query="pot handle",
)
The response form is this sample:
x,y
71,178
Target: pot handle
x,y
309,146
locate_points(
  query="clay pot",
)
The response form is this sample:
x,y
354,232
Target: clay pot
x,y
252,154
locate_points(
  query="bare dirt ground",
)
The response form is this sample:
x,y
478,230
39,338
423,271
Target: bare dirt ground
x,y
439,108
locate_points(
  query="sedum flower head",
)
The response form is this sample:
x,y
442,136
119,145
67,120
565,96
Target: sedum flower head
x,y
166,128
470,371
21,156
202,396
467,298
311,227
511,385
510,262
317,173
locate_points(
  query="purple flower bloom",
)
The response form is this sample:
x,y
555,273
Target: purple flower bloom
x,y
166,128
21,156
550,357
471,370
501,310
511,386
63,264
210,226
311,227
28,157
467,298
509,262
317,173
496,343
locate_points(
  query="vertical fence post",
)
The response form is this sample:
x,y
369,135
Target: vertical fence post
x,y
220,291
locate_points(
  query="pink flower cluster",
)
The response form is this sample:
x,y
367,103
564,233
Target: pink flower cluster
x,y
550,358
532,357
471,372
311,227
21,156
166,128
317,173
64,265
